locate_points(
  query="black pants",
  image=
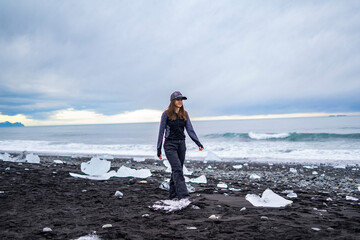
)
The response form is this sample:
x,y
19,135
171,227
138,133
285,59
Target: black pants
x,y
175,153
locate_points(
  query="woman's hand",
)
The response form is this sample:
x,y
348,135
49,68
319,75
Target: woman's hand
x,y
201,148
160,157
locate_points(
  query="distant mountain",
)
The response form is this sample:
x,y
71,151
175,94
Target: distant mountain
x,y
9,124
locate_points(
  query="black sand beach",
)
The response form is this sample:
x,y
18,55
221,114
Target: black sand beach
x,y
36,196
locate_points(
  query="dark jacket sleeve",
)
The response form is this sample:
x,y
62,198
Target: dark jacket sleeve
x,y
190,130
161,133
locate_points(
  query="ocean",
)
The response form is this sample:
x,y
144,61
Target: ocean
x,y
316,140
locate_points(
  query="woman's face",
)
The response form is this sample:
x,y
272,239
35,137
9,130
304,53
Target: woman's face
x,y
178,103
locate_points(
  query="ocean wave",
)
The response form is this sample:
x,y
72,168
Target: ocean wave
x,y
291,136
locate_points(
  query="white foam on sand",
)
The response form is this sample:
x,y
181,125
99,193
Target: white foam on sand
x,y
170,205
212,156
268,199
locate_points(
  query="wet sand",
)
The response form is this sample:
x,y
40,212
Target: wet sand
x,y
36,196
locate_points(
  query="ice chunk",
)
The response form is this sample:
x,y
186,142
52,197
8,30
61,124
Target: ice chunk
x,y
118,194
105,176
129,172
168,168
351,198
292,195
316,229
190,188
95,166
201,179
254,176
268,199
222,185
6,157
170,205
166,186
237,166
340,166
47,229
212,157
293,170
287,191
235,189
92,236
314,173
58,162
32,158
139,159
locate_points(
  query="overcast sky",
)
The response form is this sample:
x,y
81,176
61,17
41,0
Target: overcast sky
x,y
122,59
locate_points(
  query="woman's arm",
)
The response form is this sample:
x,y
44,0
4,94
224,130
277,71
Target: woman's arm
x,y
190,130
161,133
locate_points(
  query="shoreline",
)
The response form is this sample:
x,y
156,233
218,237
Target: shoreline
x,y
42,195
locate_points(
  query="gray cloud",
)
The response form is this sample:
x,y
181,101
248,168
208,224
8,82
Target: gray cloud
x,y
229,57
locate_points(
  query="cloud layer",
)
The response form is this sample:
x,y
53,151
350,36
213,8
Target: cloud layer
x,y
227,57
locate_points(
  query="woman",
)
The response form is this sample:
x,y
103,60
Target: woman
x,y
173,121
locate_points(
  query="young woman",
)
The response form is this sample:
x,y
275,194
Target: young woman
x,y
173,121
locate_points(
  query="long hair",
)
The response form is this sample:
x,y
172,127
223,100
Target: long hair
x,y
172,115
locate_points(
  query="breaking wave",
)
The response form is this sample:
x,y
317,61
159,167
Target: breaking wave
x,y
293,136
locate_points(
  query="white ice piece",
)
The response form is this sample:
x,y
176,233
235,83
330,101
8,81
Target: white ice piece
x,y
254,176
292,195
139,159
171,205
350,198
32,158
316,229
47,229
314,173
58,162
238,166
129,172
268,199
222,185
118,194
95,166
165,186
340,166
212,156
105,176
168,168
293,170
201,179
92,236
235,189
6,157
287,191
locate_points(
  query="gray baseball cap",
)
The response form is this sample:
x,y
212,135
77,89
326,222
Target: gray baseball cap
x,y
177,95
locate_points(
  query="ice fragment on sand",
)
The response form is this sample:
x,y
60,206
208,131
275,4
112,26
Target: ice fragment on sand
x,y
129,172
168,168
329,199
212,156
214,217
264,218
32,158
222,185
350,198
287,191
254,176
2,192
105,176
95,166
243,209
139,159
235,189
314,172
170,205
6,157
191,228
58,162
268,199
107,226
201,179
292,195
293,170
209,167
340,166
237,166
92,236
316,229
118,194
165,186
47,229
